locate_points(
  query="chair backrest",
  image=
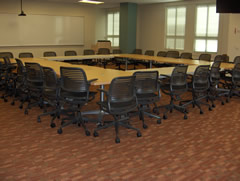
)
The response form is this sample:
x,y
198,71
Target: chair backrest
x,y
122,95
149,52
34,73
236,75
236,60
70,53
173,54
73,79
215,73
161,54
178,80
49,54
205,56
137,51
6,54
218,58
146,82
117,51
21,70
25,55
50,80
103,51
186,55
201,78
225,58
88,52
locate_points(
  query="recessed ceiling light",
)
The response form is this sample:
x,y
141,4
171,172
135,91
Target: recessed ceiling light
x,y
91,2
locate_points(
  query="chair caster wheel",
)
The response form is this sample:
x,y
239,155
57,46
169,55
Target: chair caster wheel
x,y
117,140
53,125
87,133
26,112
5,100
185,117
155,110
62,122
12,103
213,105
159,121
223,103
227,101
95,134
210,109
164,116
38,119
145,126
171,110
20,107
201,112
59,131
139,134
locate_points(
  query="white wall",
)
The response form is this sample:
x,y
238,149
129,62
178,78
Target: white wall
x,y
94,23
151,28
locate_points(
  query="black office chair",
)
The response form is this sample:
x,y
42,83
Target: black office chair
x,y
218,58
146,63
34,85
173,54
235,88
118,61
148,92
51,94
236,60
120,100
199,87
104,51
49,54
175,86
25,55
89,61
205,56
20,88
186,55
161,54
75,93
137,51
216,92
70,53
6,54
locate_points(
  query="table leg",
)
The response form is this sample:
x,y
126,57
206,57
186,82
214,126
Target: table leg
x,y
126,64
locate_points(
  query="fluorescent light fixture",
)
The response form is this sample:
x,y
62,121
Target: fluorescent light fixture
x,y
91,2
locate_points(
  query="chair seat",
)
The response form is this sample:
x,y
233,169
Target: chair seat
x,y
147,98
77,97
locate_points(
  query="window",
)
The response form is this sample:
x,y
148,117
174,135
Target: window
x,y
176,19
113,22
207,23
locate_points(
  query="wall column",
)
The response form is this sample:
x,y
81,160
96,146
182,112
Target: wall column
x,y
128,23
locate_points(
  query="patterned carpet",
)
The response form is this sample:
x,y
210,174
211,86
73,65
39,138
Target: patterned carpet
x,y
203,147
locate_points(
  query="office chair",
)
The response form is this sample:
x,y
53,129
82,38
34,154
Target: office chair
x,y
20,88
70,53
6,54
25,55
34,85
218,58
215,90
104,51
235,88
120,101
199,87
146,63
118,61
51,94
148,92
174,86
186,55
205,56
89,61
173,54
236,60
75,93
49,54
161,54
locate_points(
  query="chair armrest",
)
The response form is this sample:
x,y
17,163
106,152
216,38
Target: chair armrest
x,y
165,75
92,80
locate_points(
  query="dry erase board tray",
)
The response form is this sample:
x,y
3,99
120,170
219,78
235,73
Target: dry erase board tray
x,y
41,30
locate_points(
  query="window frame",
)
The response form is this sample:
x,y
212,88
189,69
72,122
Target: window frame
x,y
113,36
175,37
206,37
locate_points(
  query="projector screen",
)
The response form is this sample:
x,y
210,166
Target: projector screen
x,y
40,30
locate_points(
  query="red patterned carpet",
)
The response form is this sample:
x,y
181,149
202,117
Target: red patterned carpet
x,y
203,147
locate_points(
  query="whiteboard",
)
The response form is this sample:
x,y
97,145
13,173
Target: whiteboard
x,y
40,30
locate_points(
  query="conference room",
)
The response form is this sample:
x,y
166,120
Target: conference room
x,y
167,141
